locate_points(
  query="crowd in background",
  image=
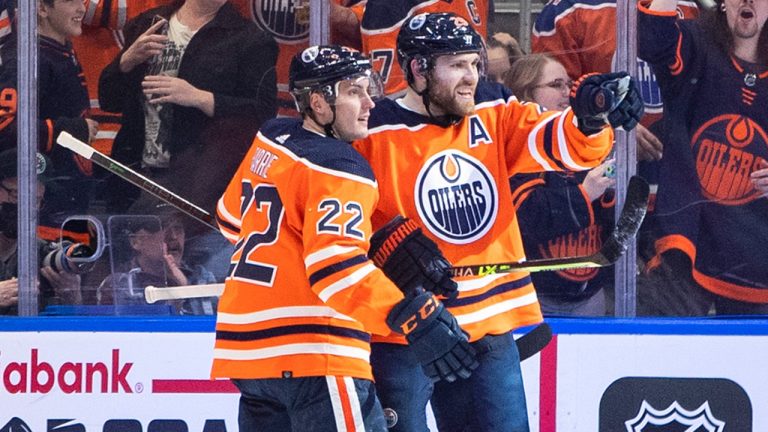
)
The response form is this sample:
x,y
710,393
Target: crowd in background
x,y
178,89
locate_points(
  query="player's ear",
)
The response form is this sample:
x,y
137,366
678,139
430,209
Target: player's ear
x,y
418,70
318,103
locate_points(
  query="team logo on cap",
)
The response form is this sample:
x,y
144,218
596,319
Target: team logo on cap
x,y
456,197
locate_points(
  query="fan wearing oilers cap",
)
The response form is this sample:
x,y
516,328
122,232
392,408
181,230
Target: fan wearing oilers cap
x,y
442,155
302,296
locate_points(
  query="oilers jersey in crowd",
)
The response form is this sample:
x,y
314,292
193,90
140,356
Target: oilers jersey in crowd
x,y
581,34
301,297
558,219
381,24
716,137
454,181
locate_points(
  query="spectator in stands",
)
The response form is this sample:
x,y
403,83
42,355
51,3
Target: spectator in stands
x,y
502,50
711,208
62,286
561,214
63,106
380,25
212,104
194,83
582,36
99,43
288,22
157,249
542,79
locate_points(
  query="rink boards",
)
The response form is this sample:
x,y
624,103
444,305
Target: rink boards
x,y
151,374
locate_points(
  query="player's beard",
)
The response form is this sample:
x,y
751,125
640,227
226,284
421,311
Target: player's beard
x,y
446,100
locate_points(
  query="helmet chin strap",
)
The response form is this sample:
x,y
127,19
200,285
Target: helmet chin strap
x,y
328,127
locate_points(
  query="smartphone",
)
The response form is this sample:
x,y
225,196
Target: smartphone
x,y
163,28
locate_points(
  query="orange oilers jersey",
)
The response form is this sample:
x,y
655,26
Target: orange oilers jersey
x,y
96,48
454,181
381,24
301,297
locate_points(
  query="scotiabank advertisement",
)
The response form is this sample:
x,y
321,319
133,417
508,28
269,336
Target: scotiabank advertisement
x,y
126,382
158,381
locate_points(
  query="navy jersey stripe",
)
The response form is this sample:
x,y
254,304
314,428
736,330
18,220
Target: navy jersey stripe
x,y
292,330
509,286
549,143
335,268
320,150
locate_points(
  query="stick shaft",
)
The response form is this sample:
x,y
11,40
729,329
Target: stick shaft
x,y
631,218
154,294
128,174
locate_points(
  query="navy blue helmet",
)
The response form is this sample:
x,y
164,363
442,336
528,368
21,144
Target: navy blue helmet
x,y
319,68
430,35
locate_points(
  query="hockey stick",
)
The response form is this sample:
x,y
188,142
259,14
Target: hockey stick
x,y
68,141
533,341
154,294
631,218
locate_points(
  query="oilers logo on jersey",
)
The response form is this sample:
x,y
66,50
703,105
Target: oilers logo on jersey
x,y
283,19
456,197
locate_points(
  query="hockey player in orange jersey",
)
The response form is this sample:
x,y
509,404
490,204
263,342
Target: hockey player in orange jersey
x,y
442,155
302,296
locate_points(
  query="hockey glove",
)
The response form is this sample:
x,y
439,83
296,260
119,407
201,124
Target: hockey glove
x,y
434,337
410,259
600,99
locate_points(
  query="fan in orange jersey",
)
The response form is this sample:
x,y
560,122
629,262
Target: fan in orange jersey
x,y
442,155
288,23
302,297
382,20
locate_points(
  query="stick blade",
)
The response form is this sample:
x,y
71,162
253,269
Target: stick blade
x,y
630,220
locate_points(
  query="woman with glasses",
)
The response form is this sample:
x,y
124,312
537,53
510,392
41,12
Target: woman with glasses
x,y
542,79
561,213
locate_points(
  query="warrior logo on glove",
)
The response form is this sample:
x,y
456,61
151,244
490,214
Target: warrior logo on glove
x,y
410,259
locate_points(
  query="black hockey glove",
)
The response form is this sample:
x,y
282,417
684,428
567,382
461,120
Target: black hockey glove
x,y
410,259
600,99
434,337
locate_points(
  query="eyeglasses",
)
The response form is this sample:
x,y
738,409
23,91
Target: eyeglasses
x,y
558,84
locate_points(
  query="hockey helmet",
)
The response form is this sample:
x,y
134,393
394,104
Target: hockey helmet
x,y
320,68
429,35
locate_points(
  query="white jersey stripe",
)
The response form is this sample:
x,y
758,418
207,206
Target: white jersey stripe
x,y
346,282
292,349
562,144
327,253
279,313
533,149
354,403
495,309
338,408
